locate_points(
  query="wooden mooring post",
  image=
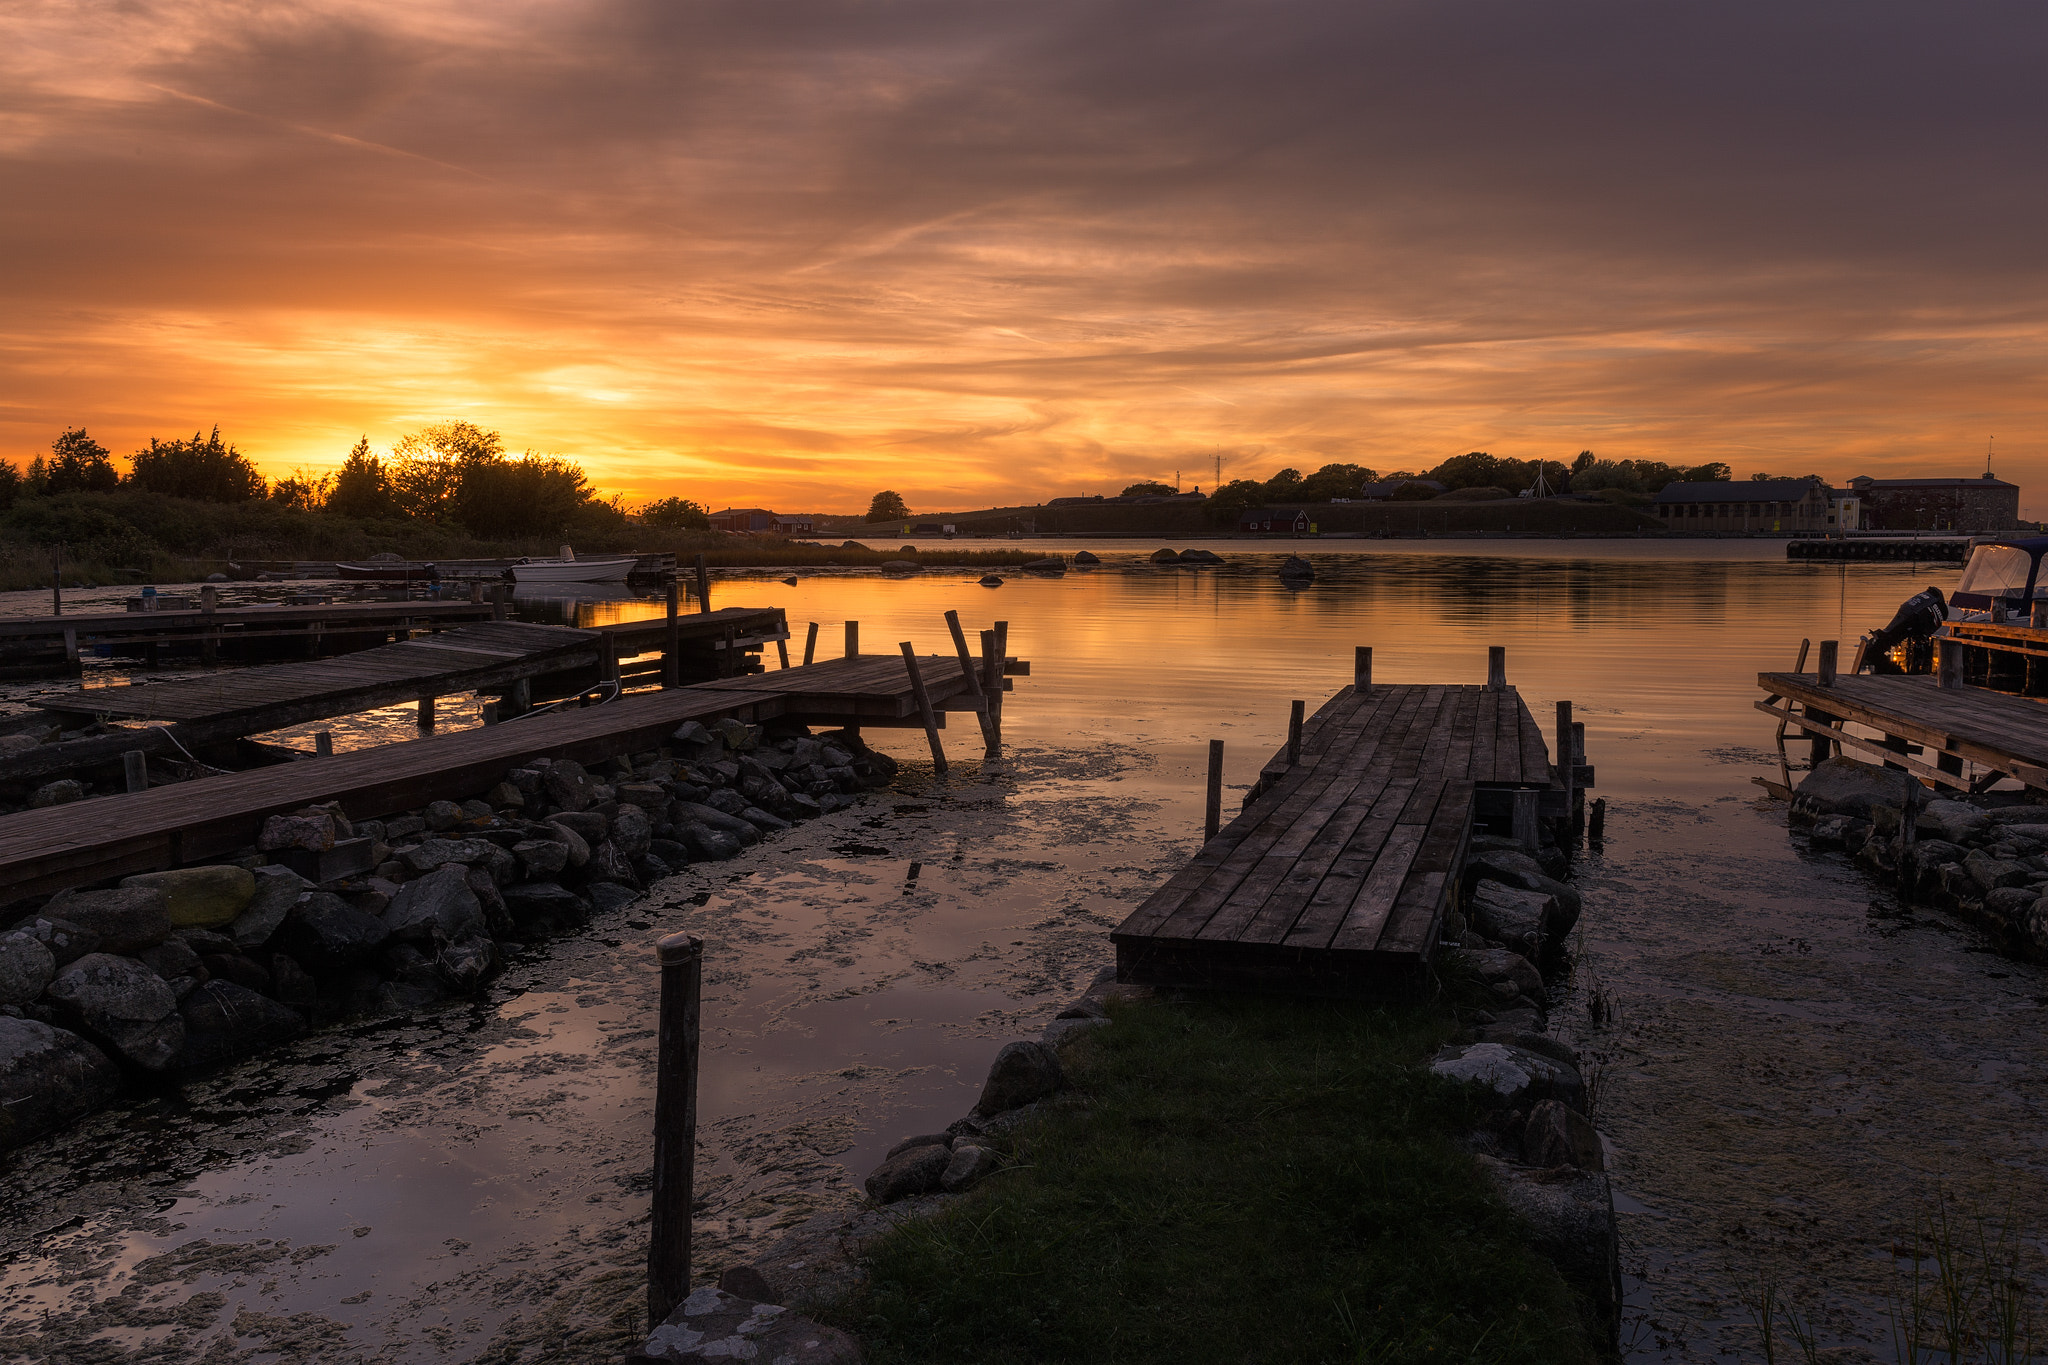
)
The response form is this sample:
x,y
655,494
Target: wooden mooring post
x,y
1824,675
426,713
992,683
1496,667
1212,819
675,1123
973,679
209,639
57,580
1361,668
501,602
810,644
323,743
1567,769
672,643
135,770
924,707
703,585
853,639
1295,711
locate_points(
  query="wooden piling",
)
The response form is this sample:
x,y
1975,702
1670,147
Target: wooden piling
x,y
323,743
1523,830
426,713
1567,774
488,713
703,585
679,1028
135,770
1361,668
995,698
1948,656
1496,667
607,657
57,580
1829,651
1295,711
672,643
1596,824
853,639
501,602
1212,819
924,708
810,644
476,591
72,661
992,682
521,696
209,639
973,678
782,652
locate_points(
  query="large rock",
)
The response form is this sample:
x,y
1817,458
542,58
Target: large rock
x,y
541,857
314,829
712,1327
1501,964
327,934
201,896
1570,1214
123,1005
1021,1073
126,919
590,825
467,965
425,857
224,1022
1522,871
576,844
917,1170
568,786
1559,1136
608,864
48,1077
26,967
1510,1077
1956,821
1512,917
970,1163
66,941
1990,873
544,905
1844,786
631,831
440,907
277,889
710,816
706,842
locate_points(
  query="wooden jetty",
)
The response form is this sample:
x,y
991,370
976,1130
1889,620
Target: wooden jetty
x,y
1336,876
1924,549
1914,718
45,850
53,644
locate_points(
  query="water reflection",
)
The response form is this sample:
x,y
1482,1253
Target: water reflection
x,y
1790,1044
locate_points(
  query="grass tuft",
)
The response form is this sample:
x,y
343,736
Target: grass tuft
x,y
1250,1180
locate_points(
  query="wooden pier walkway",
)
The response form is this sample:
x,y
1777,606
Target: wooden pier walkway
x,y
42,851
54,643
1335,878
1998,733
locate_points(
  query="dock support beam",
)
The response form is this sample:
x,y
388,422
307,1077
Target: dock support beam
x,y
1361,668
810,644
992,683
72,661
1212,819
1567,773
323,743
209,639
703,586
1496,667
1524,827
1294,715
501,602
973,679
675,1123
924,708
1824,676
426,713
853,639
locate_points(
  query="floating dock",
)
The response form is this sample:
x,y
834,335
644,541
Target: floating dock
x,y
1926,549
1335,878
77,844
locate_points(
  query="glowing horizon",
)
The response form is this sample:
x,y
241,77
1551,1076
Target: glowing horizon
x,y
987,255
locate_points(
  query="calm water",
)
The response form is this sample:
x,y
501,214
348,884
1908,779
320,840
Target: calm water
x,y
1796,1068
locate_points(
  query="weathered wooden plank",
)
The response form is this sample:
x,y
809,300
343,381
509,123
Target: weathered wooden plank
x,y
1415,925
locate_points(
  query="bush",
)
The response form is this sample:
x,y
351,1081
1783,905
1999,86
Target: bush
x,y
1473,495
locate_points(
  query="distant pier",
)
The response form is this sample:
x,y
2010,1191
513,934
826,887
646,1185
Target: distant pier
x,y
1924,549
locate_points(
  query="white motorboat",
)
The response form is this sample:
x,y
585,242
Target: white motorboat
x,y
572,570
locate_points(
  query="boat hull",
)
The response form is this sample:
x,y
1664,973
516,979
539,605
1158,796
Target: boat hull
x,y
574,571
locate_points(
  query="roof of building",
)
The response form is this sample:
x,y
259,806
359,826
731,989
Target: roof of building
x,y
1746,490
737,511
1982,481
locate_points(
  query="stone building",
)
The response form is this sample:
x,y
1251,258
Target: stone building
x,y
1975,506
1755,506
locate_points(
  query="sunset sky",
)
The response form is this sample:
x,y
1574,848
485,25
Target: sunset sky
x,y
787,252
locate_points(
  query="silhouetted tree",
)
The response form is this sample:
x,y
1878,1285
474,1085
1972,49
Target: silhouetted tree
x,y
204,468
79,464
677,514
1334,481
361,488
427,466
1151,488
10,485
887,505
527,496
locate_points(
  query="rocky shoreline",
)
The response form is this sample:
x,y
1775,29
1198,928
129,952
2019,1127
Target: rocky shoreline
x,y
1537,1144
123,987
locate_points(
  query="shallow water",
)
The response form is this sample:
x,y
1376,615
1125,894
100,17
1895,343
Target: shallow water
x,y
1796,1065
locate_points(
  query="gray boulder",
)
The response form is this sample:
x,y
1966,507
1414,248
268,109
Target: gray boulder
x,y
711,817
2037,924
541,857
592,826
62,792
1522,871
1990,873
277,889
311,829
48,1077
1956,821
578,847
1499,964
425,857
714,1327
122,1005
1839,831
1845,786
970,1162
467,965
327,934
1570,1214
706,842
1518,920
1022,1072
568,786
1510,1077
126,919
608,864
1559,1136
26,967
632,831
204,896
66,941
443,815
225,1022
544,905
438,908
172,959
916,1171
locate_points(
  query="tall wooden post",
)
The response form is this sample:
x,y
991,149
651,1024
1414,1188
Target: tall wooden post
x,y
672,642
135,770
992,682
57,580
607,656
323,743
1002,670
782,651
426,713
1567,776
703,586
501,601
72,661
1496,667
1212,819
810,644
1524,828
853,639
968,672
1294,714
675,1123
924,707
476,592
1361,668
209,637
1829,651
1948,656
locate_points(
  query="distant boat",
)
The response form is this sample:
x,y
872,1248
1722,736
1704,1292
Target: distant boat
x,y
573,570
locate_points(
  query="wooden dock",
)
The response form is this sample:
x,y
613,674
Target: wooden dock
x,y
54,644
1915,718
1335,878
45,850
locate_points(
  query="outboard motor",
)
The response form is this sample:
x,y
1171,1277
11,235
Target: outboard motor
x,y
1914,624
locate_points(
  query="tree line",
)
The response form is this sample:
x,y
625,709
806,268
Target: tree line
x,y
455,474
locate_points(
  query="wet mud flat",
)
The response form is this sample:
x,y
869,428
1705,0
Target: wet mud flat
x,y
471,1184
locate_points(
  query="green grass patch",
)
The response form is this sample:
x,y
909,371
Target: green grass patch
x,y
1251,1180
